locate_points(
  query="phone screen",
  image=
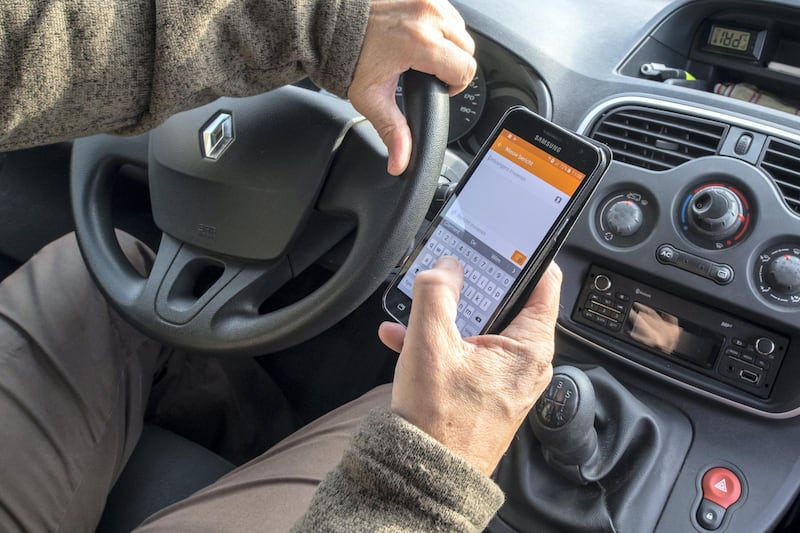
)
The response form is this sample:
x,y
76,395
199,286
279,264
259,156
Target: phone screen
x,y
495,224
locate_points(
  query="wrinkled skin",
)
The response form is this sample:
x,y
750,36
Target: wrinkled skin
x,y
425,35
471,394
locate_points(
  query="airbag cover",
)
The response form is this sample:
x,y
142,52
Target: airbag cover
x,y
252,201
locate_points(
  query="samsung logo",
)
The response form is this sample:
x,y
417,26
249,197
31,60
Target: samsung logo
x,y
548,143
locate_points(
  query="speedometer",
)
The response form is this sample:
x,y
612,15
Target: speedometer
x,y
465,108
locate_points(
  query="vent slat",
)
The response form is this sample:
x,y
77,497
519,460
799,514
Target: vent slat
x,y
687,127
656,139
641,161
780,169
781,160
679,140
645,148
795,159
789,186
793,204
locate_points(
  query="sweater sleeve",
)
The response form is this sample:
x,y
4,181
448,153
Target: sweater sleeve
x,y
78,67
396,478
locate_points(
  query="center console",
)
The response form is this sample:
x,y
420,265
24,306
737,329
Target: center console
x,y
687,263
682,279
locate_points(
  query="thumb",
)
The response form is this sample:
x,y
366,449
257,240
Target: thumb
x,y
392,335
378,105
436,293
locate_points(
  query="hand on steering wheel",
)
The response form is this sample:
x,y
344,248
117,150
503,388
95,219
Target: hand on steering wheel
x,y
425,35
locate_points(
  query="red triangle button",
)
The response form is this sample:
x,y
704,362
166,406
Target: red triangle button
x,y
722,487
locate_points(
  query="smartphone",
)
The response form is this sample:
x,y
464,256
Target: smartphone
x,y
506,219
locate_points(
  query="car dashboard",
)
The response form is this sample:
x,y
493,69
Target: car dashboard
x,y
698,102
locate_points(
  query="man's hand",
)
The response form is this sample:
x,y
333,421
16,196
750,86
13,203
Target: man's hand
x,y
424,35
471,394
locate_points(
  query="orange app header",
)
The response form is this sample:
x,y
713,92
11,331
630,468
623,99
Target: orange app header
x,y
538,162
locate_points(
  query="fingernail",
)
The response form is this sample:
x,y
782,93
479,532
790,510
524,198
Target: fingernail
x,y
449,262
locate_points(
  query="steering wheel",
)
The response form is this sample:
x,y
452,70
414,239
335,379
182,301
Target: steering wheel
x,y
248,193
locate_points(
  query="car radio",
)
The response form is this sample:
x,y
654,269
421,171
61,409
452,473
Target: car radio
x,y
695,336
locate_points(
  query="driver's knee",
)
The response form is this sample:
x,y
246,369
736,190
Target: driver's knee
x,y
74,383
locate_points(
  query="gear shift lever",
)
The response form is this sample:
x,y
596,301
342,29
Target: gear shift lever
x,y
593,456
563,422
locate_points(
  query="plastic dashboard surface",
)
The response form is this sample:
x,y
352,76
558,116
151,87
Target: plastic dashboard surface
x,y
579,54
585,86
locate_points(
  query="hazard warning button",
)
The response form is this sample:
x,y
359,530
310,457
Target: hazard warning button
x,y
722,487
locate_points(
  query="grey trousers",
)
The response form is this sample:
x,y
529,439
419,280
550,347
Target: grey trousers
x,y
74,383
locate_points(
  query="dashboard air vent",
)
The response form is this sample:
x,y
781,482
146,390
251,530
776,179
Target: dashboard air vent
x,y
782,161
656,139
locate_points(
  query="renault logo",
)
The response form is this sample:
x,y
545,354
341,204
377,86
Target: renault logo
x,y
217,135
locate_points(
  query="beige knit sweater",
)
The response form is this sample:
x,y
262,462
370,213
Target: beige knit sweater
x,y
76,67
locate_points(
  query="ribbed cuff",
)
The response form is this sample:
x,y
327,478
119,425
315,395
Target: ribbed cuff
x,y
413,467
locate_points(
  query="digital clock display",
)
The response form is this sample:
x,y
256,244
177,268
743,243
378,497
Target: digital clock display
x,y
730,38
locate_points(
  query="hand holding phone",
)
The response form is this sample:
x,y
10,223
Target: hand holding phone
x,y
507,218
504,373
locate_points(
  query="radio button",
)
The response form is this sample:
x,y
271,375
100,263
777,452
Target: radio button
x,y
602,283
748,357
765,346
667,254
762,363
733,352
623,297
723,274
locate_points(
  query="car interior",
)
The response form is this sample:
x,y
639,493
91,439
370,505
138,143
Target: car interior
x,y
679,328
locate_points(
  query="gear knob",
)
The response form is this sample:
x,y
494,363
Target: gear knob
x,y
563,421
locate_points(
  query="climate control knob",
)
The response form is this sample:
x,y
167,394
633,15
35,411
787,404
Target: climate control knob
x,y
624,218
777,274
716,212
784,274
715,216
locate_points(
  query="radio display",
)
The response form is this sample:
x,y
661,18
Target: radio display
x,y
671,335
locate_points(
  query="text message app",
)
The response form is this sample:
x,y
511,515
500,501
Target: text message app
x,y
496,223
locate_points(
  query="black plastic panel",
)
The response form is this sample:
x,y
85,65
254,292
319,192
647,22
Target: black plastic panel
x,y
713,344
